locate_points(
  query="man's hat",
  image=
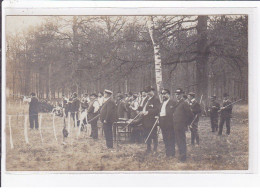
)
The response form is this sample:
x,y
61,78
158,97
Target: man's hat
x,y
108,91
75,94
94,94
191,94
179,91
166,90
225,95
33,94
149,89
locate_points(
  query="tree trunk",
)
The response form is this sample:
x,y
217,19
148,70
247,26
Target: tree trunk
x,y
157,55
202,58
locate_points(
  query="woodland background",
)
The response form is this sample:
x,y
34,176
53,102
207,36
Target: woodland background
x,y
204,54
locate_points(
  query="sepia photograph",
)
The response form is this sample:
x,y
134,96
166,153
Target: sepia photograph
x,y
102,93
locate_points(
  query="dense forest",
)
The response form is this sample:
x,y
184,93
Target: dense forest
x,y
204,54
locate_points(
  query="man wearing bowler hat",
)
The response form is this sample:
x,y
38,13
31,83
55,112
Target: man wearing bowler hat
x,y
150,110
213,112
225,114
108,117
166,122
182,117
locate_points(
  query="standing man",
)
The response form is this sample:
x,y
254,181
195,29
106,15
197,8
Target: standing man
x,y
225,114
166,123
108,117
182,117
33,111
196,110
213,112
75,107
93,115
121,108
150,110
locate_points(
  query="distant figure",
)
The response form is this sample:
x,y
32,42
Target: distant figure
x,y
108,117
213,113
33,111
196,110
166,123
93,115
182,117
121,108
225,114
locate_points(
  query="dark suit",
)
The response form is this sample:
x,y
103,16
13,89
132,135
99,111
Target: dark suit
x,y
182,117
93,118
108,114
166,125
225,116
75,109
196,110
33,113
153,108
214,108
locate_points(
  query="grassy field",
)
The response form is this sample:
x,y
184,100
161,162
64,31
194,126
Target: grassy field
x,y
85,154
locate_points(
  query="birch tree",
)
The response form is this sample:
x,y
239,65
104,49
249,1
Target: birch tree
x,y
157,54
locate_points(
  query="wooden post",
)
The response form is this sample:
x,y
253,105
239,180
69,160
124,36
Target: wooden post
x,y
10,129
25,129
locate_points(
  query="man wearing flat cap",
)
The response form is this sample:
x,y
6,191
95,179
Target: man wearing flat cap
x,y
33,111
166,122
213,113
225,114
108,117
182,117
196,110
150,110
93,115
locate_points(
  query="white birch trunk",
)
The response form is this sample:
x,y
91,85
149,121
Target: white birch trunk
x,y
157,54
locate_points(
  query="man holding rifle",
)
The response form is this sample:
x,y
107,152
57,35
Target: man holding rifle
x,y
196,110
225,114
151,109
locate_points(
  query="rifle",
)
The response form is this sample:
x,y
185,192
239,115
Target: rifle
x,y
193,120
152,129
229,105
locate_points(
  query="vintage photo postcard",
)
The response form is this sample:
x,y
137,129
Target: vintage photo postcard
x,y
129,92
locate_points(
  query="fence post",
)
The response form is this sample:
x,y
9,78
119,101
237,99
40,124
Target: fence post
x,y
11,138
40,127
25,129
53,124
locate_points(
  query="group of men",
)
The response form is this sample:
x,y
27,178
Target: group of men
x,y
145,112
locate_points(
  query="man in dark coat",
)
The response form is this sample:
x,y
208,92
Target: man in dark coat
x,y
108,117
182,117
93,115
151,110
33,111
121,107
196,110
166,122
225,114
213,113
75,107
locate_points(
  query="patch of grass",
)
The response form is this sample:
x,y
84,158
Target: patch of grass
x,y
85,154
